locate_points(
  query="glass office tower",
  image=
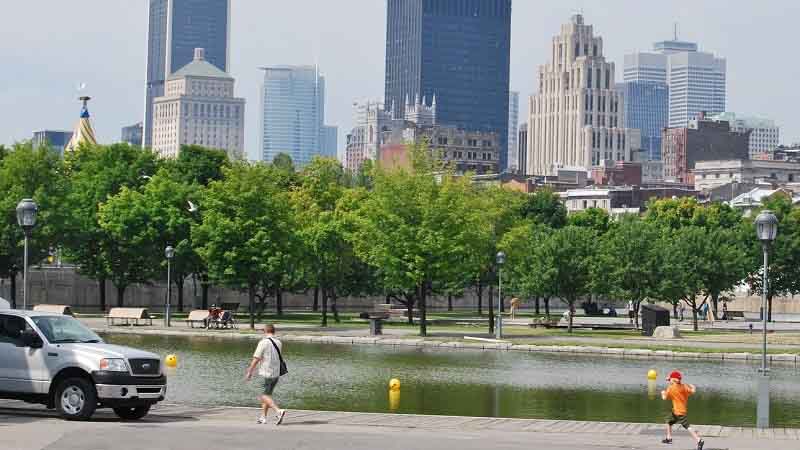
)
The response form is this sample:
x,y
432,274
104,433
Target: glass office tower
x,y
176,28
456,50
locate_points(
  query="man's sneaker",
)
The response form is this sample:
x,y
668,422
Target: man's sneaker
x,y
279,419
262,420
666,441
700,444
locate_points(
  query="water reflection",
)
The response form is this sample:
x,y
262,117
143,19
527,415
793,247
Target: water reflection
x,y
471,383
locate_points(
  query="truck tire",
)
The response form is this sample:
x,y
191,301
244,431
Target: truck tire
x,y
132,413
76,399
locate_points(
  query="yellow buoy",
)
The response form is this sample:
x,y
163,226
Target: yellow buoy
x,y
171,361
394,384
652,374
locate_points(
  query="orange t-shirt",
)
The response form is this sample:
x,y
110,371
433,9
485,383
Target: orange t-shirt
x,y
679,394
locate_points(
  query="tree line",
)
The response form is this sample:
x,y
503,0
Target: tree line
x,y
403,235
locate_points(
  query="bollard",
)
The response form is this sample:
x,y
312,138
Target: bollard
x,y
171,361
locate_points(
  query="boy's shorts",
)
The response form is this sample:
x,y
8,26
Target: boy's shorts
x,y
269,385
681,420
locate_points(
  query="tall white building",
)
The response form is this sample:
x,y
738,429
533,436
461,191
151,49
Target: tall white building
x,y
513,121
765,135
292,114
696,80
198,108
576,119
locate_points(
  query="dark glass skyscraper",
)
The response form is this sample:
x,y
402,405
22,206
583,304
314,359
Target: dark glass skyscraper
x,y
456,50
647,108
176,28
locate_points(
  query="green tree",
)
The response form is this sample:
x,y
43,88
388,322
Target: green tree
x,y
545,207
95,174
26,172
527,273
245,230
567,259
594,218
626,265
416,228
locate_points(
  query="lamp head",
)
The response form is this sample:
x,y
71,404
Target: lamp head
x,y
501,258
766,226
27,210
169,252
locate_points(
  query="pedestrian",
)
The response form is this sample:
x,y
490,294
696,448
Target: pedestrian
x,y
269,362
631,313
514,306
724,310
679,394
704,311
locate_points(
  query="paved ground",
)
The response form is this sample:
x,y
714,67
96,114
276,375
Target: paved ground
x,y
177,427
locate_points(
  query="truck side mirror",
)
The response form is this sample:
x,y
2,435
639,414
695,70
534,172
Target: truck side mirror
x,y
31,339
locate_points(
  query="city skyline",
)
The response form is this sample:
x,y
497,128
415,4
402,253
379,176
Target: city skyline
x,y
114,64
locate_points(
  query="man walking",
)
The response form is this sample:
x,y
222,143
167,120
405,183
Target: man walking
x,y
267,358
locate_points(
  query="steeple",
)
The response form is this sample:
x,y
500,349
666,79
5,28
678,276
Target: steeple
x,y
83,134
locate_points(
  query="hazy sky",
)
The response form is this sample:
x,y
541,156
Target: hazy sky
x,y
48,47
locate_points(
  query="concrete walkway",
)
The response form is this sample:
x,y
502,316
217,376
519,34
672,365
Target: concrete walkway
x,y
177,427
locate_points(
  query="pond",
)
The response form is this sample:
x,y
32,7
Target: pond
x,y
470,382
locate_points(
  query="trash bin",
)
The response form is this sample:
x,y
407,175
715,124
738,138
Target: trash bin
x,y
652,317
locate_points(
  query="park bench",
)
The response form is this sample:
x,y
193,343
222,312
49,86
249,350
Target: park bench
x,y
735,314
55,309
198,316
129,315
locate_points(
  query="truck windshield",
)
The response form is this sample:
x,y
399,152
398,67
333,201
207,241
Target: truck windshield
x,y
64,329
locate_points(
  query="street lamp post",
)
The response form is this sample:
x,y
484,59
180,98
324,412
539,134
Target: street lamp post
x,y
501,259
766,229
169,252
26,218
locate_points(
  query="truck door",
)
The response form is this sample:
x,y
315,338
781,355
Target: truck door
x,y
14,371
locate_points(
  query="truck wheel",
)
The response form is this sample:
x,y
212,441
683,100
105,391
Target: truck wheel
x,y
132,413
76,399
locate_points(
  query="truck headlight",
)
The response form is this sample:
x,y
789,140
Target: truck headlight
x,y
113,365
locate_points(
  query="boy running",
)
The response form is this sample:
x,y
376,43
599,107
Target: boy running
x,y
679,394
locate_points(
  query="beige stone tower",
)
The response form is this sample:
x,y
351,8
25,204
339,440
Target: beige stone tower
x,y
577,117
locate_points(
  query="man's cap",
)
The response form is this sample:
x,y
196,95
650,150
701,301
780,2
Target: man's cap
x,y
675,374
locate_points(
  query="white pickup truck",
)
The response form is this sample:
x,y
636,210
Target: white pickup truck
x,y
56,361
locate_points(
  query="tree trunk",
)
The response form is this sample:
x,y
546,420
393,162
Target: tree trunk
x,y
334,307
491,310
450,302
675,310
479,290
388,299
13,293
769,307
120,296
204,285
694,318
636,314
714,305
569,308
423,325
547,307
324,307
536,304
315,308
279,301
410,308
251,304
179,281
101,287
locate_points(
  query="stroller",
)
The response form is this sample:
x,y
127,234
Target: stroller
x,y
219,318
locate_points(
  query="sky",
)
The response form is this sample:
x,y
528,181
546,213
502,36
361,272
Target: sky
x,y
49,47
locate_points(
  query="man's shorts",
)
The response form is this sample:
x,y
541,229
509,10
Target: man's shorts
x,y
269,385
680,420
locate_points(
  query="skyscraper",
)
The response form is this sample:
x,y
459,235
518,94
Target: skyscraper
x,y
330,146
647,109
513,121
292,113
176,28
198,108
696,80
456,50
576,119
133,134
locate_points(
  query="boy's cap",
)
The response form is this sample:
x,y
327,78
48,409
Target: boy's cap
x,y
675,374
